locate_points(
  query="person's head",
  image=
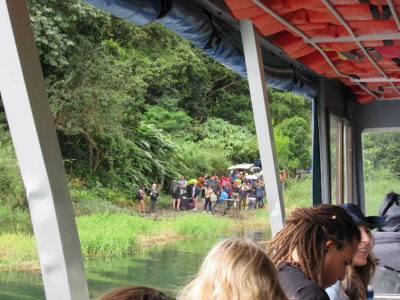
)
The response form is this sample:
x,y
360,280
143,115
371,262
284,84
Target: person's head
x,y
322,239
134,293
154,186
235,269
365,225
359,274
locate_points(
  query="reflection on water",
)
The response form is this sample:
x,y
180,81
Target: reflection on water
x,y
164,267
21,286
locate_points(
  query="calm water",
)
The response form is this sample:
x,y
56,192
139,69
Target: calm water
x,y
164,267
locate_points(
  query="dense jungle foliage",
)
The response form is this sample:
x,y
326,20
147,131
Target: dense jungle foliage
x,y
139,104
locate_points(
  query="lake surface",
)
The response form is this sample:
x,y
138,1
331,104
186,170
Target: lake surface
x,y
164,267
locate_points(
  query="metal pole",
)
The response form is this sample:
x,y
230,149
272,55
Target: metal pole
x,y
32,129
262,117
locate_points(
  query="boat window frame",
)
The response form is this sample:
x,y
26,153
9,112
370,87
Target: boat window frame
x,y
341,186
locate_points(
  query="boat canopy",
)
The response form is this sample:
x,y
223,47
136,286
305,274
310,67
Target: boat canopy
x,y
355,41
215,36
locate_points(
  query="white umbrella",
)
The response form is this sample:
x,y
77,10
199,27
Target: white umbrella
x,y
259,174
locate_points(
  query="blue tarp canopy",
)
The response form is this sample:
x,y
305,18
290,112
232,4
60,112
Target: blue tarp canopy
x,y
214,36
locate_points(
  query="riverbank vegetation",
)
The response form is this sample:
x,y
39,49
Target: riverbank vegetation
x,y
123,234
109,229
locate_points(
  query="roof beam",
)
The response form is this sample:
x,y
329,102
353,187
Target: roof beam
x,y
394,13
375,79
305,37
359,38
359,44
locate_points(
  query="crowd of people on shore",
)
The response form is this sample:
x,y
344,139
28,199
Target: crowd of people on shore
x,y
238,189
322,249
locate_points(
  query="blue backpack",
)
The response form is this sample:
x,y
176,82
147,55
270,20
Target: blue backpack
x,y
223,196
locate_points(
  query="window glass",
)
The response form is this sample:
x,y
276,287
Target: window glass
x,y
340,135
381,163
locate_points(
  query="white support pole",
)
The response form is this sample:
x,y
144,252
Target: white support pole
x,y
32,128
262,117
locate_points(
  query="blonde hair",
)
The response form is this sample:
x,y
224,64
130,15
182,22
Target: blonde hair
x,y
235,269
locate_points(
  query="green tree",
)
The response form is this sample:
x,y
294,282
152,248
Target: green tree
x,y
174,122
90,100
298,140
237,143
381,151
61,27
285,105
121,93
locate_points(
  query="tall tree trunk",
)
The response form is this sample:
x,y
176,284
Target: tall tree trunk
x,y
93,144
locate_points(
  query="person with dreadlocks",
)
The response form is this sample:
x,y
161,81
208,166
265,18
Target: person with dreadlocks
x,y
360,272
313,250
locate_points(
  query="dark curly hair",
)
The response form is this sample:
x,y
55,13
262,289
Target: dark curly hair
x,y
307,231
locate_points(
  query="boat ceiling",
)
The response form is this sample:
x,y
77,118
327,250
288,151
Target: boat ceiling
x,y
356,41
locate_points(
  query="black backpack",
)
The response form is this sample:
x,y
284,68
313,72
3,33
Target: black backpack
x,y
139,195
390,211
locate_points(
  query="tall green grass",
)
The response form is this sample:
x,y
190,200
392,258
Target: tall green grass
x,y
377,183
12,192
298,192
121,234
118,234
13,215
115,234
201,225
97,206
18,251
